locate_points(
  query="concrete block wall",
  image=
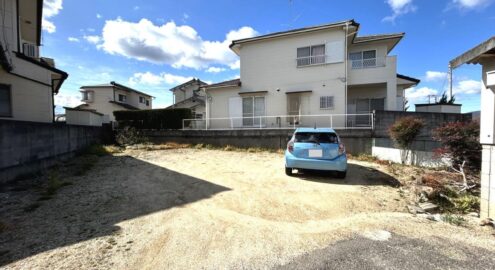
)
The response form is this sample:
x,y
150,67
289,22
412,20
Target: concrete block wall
x,y
356,141
384,119
487,203
29,146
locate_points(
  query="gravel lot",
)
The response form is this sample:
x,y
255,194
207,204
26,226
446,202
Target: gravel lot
x,y
213,209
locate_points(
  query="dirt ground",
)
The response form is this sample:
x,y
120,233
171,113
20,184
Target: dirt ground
x,y
208,209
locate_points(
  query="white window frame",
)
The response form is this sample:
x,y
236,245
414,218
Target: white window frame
x,y
147,102
359,63
311,60
254,117
142,100
327,102
124,98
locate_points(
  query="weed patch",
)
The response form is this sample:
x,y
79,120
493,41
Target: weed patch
x,y
454,219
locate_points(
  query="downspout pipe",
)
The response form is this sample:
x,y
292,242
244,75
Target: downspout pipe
x,y
346,72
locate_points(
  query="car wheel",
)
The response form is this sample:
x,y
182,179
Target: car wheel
x,y
341,174
288,171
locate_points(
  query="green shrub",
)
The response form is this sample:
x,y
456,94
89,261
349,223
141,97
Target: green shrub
x,y
153,119
454,219
129,136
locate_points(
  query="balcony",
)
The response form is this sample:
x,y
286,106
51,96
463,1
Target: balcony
x,y
368,63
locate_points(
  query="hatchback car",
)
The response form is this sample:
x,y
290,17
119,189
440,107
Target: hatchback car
x,y
316,149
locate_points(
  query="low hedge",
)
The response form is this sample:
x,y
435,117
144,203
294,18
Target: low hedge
x,y
152,119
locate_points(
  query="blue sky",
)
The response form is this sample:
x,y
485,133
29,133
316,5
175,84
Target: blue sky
x,y
153,45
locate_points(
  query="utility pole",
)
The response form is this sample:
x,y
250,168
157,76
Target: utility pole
x,y
450,81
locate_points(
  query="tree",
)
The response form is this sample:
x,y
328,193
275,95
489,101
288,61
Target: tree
x,y
445,100
404,131
460,143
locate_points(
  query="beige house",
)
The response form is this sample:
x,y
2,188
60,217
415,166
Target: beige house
x,y
28,81
301,77
188,95
107,98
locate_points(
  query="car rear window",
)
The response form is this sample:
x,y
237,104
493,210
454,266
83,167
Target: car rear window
x,y
315,137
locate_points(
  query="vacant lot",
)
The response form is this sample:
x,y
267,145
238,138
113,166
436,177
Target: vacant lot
x,y
198,208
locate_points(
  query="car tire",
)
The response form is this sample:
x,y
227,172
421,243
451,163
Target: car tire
x,y
341,175
288,171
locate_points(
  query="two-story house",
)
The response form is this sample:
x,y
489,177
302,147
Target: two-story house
x,y
28,82
188,95
107,98
299,77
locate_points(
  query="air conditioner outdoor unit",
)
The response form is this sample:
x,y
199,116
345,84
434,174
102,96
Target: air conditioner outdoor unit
x,y
490,79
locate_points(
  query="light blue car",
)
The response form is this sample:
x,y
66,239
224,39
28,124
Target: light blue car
x,y
316,149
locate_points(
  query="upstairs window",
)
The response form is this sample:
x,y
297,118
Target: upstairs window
x,y
326,103
122,98
311,55
141,100
147,103
5,101
363,59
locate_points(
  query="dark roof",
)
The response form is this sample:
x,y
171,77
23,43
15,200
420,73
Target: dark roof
x,y
377,37
408,78
115,84
235,82
472,56
295,31
82,110
125,105
200,82
434,104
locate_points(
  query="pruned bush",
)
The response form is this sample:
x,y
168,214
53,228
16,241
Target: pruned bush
x,y
153,119
460,143
129,136
405,130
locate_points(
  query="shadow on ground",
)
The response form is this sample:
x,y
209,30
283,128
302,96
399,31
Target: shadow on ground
x,y
356,175
398,252
119,188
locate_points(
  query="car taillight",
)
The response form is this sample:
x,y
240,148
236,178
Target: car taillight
x,y
290,146
341,149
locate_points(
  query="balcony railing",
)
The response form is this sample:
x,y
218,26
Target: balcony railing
x,y
368,63
311,60
336,121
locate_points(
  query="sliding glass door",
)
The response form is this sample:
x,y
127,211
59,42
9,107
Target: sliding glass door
x,y
252,109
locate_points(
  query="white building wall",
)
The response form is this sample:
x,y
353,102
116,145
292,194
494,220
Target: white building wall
x,y
271,65
84,118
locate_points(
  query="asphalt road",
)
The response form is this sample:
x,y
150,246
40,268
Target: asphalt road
x,y
397,252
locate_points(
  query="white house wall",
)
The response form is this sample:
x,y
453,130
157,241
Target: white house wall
x,y
9,25
31,101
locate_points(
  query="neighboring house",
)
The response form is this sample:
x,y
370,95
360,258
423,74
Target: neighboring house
x,y
309,71
189,95
28,82
107,98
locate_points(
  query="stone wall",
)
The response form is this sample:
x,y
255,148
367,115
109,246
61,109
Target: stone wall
x,y
26,147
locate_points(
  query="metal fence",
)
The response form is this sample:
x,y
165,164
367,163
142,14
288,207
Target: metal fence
x,y
336,121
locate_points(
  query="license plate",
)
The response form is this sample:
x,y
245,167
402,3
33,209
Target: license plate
x,y
315,153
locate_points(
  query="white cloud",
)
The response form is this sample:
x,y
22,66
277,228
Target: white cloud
x,y
67,100
98,16
399,7
466,87
148,78
435,76
420,95
215,69
471,4
50,9
73,39
178,46
92,39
